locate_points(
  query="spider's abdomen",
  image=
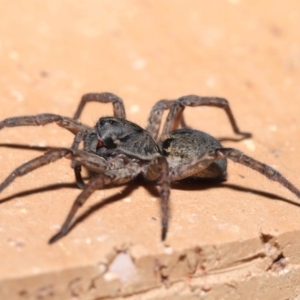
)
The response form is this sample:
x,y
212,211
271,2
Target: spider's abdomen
x,y
184,145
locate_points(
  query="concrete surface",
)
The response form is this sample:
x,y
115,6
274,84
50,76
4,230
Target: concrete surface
x,y
237,240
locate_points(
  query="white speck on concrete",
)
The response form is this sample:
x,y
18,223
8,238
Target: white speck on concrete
x,y
168,250
17,95
134,109
139,64
14,55
110,276
210,81
23,211
235,2
273,128
250,145
123,267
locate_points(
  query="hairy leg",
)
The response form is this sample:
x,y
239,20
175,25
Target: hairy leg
x,y
241,158
195,167
175,114
44,119
112,177
47,158
200,163
91,161
118,106
79,137
158,169
154,120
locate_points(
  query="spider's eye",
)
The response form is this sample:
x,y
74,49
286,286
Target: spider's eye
x,y
102,122
111,122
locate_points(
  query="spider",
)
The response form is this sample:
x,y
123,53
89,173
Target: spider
x,y
116,150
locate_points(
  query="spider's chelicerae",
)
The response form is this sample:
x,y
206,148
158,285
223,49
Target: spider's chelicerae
x,y
117,150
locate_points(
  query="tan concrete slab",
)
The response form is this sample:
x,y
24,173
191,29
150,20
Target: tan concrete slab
x,y
236,240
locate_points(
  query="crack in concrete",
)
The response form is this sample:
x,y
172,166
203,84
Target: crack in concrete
x,y
279,263
191,261
159,270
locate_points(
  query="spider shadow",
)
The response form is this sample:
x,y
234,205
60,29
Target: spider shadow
x,y
227,139
27,147
71,185
125,192
187,185
193,184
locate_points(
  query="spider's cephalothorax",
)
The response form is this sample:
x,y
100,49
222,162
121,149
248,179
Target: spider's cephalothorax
x,y
116,150
113,135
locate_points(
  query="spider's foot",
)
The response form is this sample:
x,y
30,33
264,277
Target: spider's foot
x,y
164,233
246,135
56,237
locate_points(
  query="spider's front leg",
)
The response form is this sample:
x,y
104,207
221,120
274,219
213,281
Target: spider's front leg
x,y
111,177
50,156
89,160
117,102
44,119
68,123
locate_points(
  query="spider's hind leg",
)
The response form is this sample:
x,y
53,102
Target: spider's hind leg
x,y
203,161
187,153
203,166
267,171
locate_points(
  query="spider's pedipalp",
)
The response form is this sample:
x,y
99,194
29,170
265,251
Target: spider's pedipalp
x,y
91,161
79,137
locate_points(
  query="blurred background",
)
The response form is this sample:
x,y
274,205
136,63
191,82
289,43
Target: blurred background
x,y
248,52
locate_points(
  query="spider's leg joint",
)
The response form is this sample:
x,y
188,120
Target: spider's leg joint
x,y
219,154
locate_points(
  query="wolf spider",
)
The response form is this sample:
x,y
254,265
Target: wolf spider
x,y
116,150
